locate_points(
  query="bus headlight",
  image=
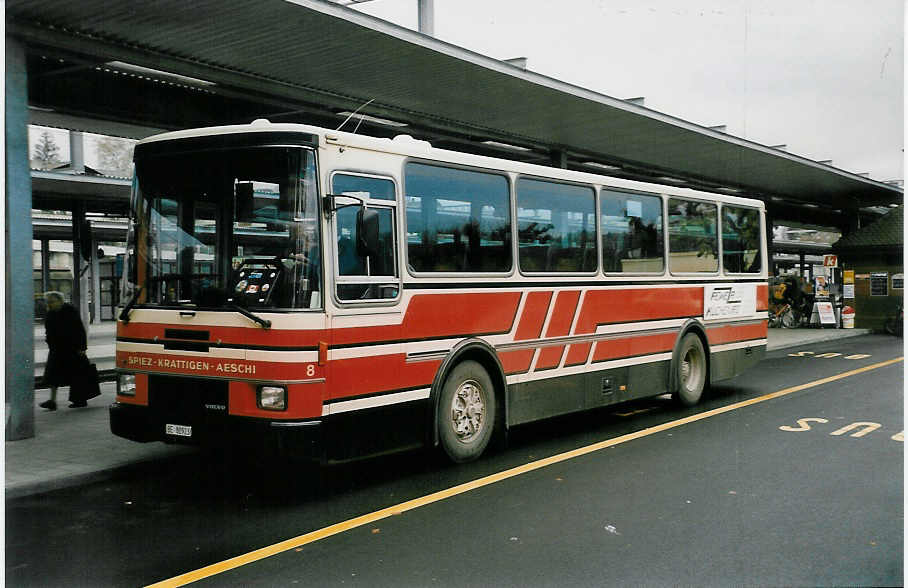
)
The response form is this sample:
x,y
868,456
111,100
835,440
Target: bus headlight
x,y
126,385
272,398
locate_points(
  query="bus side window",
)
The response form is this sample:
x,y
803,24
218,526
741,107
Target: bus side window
x,y
693,243
458,220
632,234
556,227
360,276
741,234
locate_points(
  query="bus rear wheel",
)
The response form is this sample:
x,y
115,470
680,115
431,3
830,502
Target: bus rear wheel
x,y
466,412
691,370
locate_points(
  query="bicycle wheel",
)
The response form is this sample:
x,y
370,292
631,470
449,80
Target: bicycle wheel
x,y
788,318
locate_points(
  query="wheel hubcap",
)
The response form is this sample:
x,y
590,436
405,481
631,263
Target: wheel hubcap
x,y
467,409
690,370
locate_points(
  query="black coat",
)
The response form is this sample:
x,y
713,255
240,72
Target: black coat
x,y
65,338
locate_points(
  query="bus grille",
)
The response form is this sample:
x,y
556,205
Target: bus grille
x,y
187,400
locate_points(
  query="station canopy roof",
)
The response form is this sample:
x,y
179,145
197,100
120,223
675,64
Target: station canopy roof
x,y
174,64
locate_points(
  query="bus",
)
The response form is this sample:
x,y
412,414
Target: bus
x,y
327,295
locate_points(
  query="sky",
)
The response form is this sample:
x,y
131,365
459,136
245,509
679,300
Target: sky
x,y
825,78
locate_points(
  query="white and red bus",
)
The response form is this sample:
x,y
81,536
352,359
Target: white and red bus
x,y
331,295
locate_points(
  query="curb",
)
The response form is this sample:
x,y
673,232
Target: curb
x,y
832,335
103,474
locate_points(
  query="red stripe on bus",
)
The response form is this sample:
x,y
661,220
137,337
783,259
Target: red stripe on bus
x,y
218,367
443,315
563,313
624,306
549,357
733,333
562,317
762,297
435,316
533,317
516,362
632,346
369,375
578,354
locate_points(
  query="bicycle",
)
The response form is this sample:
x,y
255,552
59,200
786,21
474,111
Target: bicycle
x,y
894,324
783,315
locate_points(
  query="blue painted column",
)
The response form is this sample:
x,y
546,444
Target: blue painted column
x,y
19,302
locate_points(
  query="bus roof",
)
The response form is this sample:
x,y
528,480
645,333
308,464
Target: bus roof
x,y
407,146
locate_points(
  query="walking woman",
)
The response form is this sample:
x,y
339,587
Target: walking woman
x,y
67,342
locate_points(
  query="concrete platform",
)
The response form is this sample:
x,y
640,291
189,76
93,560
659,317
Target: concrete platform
x,y
74,446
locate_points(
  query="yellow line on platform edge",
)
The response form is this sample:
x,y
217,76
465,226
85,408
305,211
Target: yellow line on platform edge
x,y
337,528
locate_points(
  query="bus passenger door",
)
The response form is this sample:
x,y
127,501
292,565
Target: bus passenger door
x,y
367,364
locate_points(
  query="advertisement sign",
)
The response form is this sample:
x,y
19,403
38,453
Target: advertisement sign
x,y
848,277
848,290
826,312
879,284
819,286
830,261
724,301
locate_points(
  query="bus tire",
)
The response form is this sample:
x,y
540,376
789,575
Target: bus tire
x,y
466,412
691,370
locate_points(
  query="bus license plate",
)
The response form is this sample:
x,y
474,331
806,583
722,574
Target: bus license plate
x,y
179,430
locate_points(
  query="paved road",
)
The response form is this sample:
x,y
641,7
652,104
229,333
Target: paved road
x,y
781,491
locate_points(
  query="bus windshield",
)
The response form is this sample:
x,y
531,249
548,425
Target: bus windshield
x,y
221,228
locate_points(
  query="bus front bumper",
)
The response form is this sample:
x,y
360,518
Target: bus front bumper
x,y
297,439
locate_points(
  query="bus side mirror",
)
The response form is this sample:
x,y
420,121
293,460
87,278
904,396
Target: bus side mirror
x,y
367,232
132,270
245,202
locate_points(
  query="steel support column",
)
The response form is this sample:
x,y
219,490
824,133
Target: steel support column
x,y
79,291
426,10
559,159
19,302
95,283
45,265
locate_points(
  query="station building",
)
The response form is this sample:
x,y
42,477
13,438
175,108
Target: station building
x,y
874,258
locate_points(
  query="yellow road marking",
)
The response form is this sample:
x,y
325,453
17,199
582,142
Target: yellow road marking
x,y
337,528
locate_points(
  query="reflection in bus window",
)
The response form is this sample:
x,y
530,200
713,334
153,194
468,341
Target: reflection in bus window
x,y
556,227
204,218
741,240
632,238
457,220
692,242
355,270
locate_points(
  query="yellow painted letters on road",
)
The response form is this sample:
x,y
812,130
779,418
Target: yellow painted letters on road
x,y
868,428
803,425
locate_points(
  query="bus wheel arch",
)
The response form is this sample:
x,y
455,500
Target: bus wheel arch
x,y
479,354
690,359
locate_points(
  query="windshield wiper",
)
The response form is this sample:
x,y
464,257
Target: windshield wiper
x,y
124,314
266,324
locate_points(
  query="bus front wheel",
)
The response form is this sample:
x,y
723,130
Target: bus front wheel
x,y
691,370
466,412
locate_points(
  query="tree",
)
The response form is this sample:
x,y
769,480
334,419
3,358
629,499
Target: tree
x,y
47,152
115,156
